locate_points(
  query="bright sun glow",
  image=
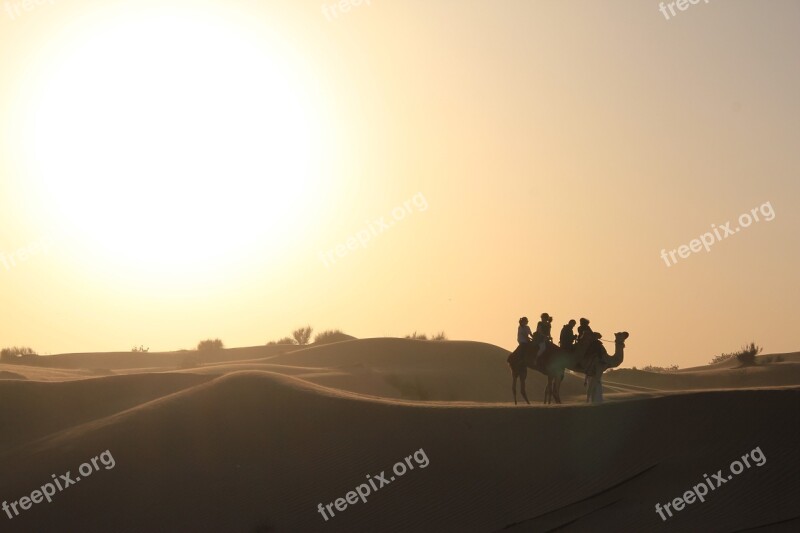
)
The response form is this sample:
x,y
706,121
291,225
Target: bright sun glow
x,y
172,141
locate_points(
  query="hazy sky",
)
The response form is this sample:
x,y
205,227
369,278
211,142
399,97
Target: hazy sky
x,y
190,168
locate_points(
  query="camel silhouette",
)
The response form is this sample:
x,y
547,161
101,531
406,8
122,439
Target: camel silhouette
x,y
555,360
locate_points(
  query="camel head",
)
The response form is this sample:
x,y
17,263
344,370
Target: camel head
x,y
613,361
619,338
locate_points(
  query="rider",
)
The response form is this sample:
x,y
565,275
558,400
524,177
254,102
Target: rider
x,y
567,338
524,335
583,329
524,338
542,335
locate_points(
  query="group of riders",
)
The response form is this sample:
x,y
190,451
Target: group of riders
x,y
542,336
585,354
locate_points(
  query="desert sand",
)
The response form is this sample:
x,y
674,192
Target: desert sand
x,y
254,439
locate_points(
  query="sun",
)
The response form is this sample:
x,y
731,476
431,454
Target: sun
x,y
172,140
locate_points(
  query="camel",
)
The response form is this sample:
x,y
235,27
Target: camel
x,y
555,360
552,364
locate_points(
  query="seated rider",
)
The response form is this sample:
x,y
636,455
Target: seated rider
x,y
524,335
567,338
583,329
542,335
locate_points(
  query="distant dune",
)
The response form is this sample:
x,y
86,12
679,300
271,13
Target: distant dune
x,y
255,444
712,377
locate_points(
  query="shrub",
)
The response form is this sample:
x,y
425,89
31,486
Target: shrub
x,y
210,345
747,355
302,336
653,368
439,337
331,335
16,353
417,336
285,340
722,357
140,349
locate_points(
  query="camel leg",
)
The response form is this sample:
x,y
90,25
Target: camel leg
x,y
548,391
557,388
514,385
522,389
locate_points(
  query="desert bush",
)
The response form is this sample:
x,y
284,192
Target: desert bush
x,y
417,336
16,354
210,345
302,336
285,340
140,349
722,357
747,355
331,335
439,336
654,368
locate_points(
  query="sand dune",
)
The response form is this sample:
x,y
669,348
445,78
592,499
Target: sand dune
x,y
764,375
734,363
419,370
257,451
133,360
255,444
403,369
34,409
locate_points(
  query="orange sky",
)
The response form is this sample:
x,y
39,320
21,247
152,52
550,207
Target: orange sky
x,y
176,170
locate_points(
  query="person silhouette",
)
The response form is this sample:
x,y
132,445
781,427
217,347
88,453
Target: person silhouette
x,y
567,338
594,372
542,335
524,339
524,335
584,328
